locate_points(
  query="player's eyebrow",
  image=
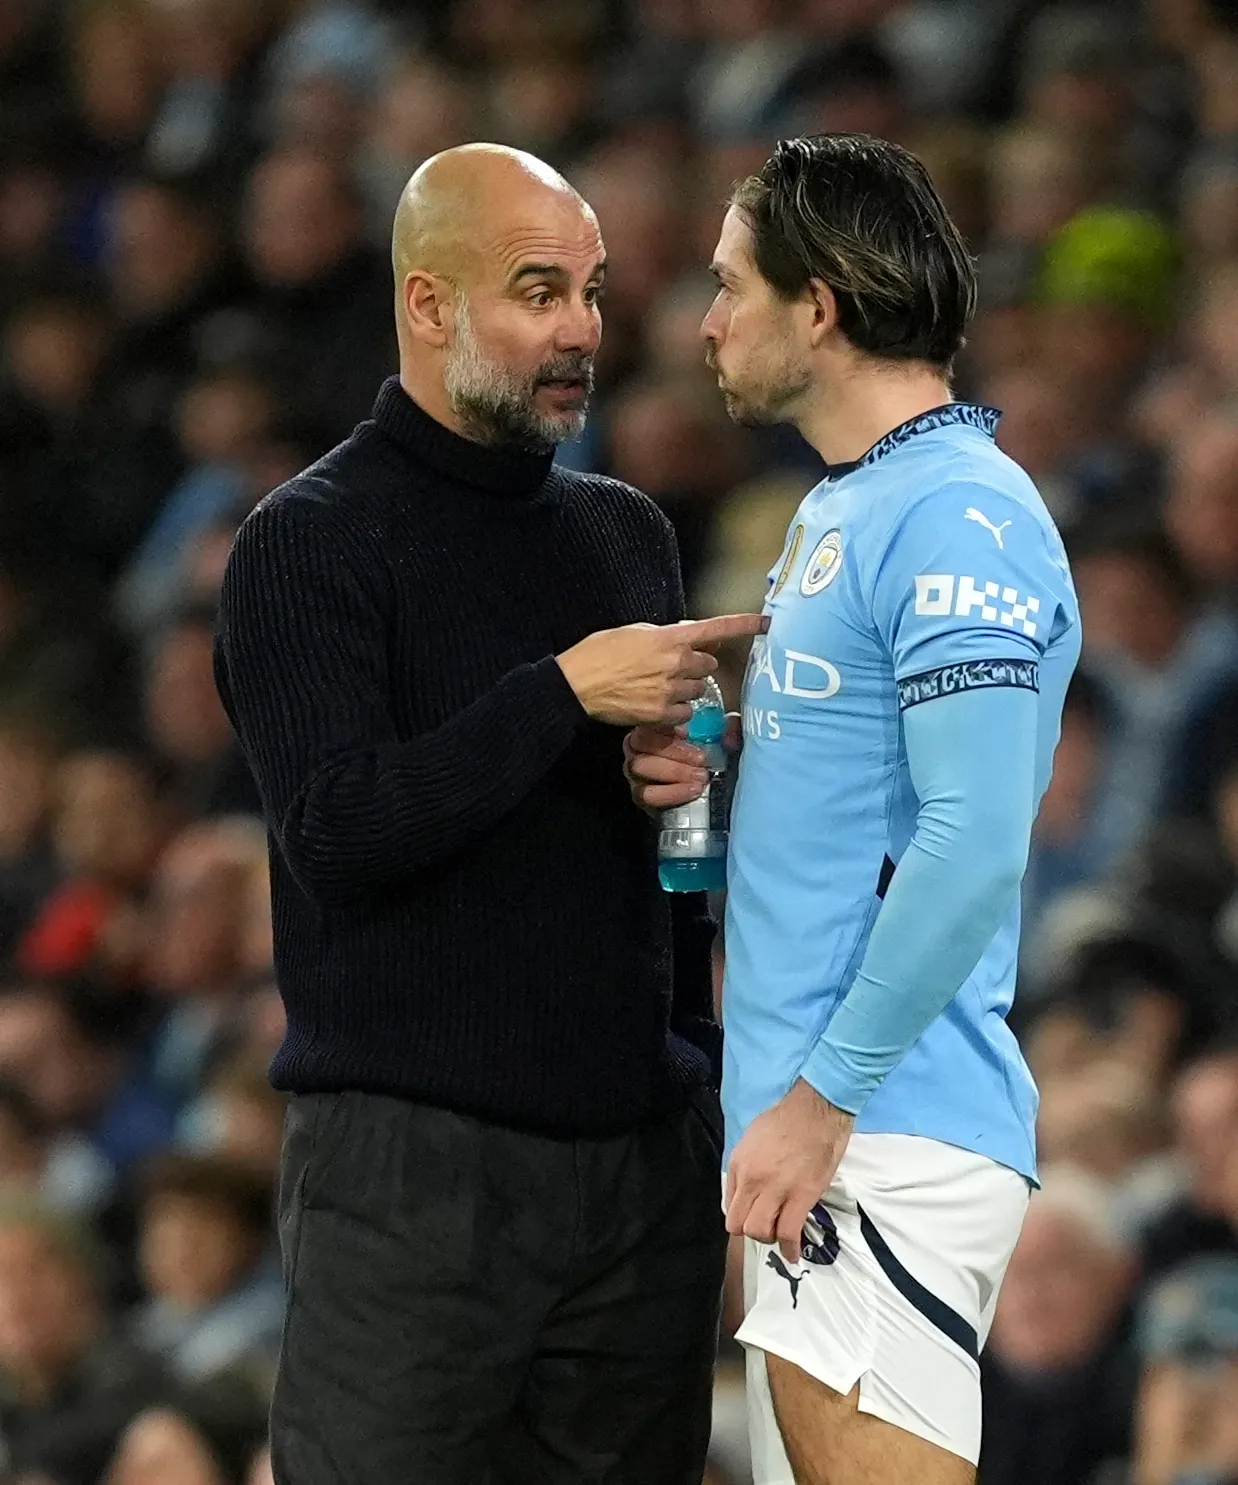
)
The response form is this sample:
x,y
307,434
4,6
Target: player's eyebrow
x,y
720,272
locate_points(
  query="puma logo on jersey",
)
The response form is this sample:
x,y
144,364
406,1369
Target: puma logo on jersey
x,y
972,514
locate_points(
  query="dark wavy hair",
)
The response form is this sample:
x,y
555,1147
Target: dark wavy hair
x,y
862,215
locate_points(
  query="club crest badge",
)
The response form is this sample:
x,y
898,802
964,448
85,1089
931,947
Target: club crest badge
x,y
824,565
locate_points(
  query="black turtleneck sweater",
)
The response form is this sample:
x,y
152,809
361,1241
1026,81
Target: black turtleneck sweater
x,y
465,899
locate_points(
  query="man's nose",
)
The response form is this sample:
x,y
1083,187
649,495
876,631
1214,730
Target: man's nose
x,y
579,329
710,329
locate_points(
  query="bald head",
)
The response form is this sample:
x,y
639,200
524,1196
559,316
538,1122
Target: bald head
x,y
498,266
460,199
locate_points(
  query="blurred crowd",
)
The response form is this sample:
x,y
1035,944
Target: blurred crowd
x,y
195,302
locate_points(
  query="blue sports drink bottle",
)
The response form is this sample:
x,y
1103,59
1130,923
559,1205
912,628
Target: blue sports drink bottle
x,y
692,839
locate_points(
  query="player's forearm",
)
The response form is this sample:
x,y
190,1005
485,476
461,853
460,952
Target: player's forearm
x,y
972,758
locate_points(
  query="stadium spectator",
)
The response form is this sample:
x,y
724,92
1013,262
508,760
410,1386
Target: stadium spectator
x,y
205,1241
1058,1373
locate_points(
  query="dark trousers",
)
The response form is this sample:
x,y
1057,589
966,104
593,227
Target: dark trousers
x,y
468,1305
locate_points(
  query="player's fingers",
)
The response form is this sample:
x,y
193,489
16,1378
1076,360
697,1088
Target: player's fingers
x,y
733,738
686,690
791,1228
738,1200
662,742
701,633
761,1222
667,796
650,768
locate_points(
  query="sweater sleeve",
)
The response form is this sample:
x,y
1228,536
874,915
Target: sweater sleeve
x,y
303,671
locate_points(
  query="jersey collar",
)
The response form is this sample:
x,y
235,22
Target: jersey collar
x,y
974,414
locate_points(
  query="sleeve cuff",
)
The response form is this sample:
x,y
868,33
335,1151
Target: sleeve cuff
x,y
828,1070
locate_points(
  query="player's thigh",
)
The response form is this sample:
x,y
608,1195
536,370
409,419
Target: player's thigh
x,y
408,1328
893,1314
829,1441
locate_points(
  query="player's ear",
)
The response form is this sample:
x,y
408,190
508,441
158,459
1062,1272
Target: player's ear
x,y
824,309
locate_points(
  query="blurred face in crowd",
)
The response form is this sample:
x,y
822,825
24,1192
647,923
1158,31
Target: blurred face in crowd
x,y
1210,215
54,351
193,1252
1041,426
1202,508
162,1448
1205,1113
1129,607
1102,1119
114,71
27,772
157,250
43,1052
22,1155
506,321
108,822
420,110
639,205
1213,327
1096,349
199,906
48,1313
1040,177
1186,1423
220,418
665,439
301,220
184,714
1060,1294
751,334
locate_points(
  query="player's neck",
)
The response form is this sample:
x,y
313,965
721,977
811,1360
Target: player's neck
x,y
845,419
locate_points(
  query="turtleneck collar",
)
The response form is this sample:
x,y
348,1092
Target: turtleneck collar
x,y
508,470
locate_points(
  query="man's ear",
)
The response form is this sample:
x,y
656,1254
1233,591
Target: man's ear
x,y
428,302
824,311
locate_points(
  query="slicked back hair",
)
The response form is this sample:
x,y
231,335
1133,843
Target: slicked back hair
x,y
862,215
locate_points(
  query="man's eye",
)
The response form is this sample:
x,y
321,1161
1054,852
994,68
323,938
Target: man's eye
x,y
541,299
594,293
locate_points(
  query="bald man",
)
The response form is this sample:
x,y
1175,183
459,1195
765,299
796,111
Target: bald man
x,y
499,1194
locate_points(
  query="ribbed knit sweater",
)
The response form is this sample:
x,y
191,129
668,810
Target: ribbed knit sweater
x,y
465,899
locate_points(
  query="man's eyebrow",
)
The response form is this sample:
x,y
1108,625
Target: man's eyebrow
x,y
719,271
553,271
539,270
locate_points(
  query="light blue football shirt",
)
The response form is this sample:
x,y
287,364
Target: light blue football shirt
x,y
928,569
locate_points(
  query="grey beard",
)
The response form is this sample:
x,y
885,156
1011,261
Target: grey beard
x,y
496,405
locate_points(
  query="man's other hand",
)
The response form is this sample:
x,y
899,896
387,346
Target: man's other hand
x,y
650,673
664,770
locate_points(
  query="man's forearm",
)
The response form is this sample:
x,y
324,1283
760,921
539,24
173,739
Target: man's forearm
x,y
374,815
973,760
304,671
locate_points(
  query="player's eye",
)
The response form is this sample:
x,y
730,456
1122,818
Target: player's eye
x,y
594,293
541,298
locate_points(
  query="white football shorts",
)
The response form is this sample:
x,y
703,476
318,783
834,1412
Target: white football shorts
x,y
910,1245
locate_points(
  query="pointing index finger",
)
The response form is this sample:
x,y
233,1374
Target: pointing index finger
x,y
705,632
